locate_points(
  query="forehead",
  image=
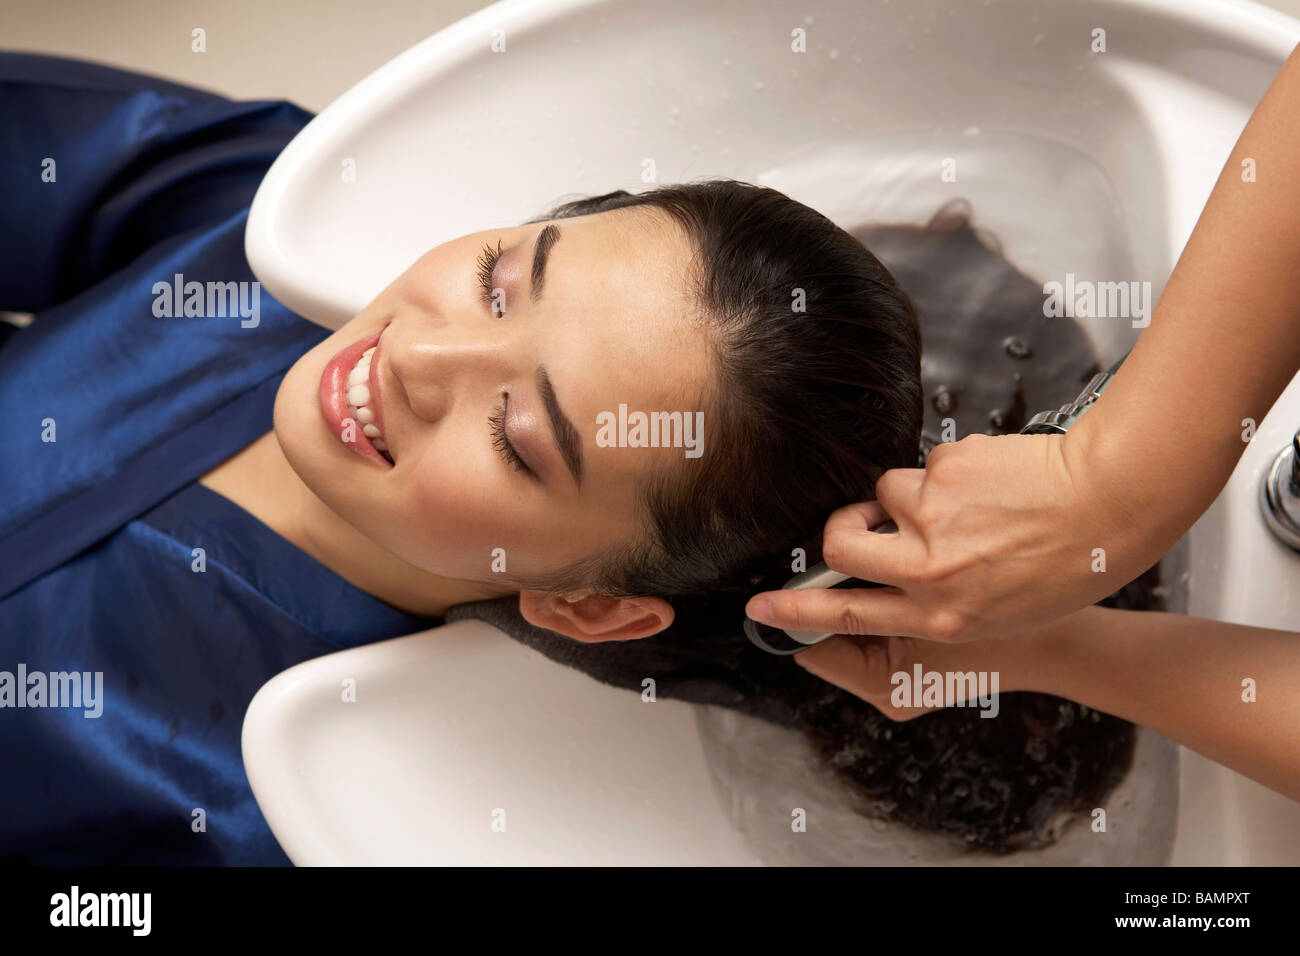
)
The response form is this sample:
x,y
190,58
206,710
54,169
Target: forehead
x,y
619,299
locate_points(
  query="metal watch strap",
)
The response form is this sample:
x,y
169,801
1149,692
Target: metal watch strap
x,y
1057,422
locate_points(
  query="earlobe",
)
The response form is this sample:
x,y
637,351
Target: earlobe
x,y
592,618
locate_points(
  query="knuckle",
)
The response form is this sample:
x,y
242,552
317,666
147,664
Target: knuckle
x,y
849,620
947,626
836,549
888,484
938,453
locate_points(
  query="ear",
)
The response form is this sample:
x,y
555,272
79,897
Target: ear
x,y
587,617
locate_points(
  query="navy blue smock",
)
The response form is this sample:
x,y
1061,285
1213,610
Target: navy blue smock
x,y
148,179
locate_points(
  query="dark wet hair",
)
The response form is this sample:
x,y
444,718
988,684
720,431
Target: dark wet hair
x,y
991,355
816,393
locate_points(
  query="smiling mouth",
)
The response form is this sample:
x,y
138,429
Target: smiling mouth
x,y
361,395
351,399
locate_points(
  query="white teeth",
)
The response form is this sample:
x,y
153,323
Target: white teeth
x,y
359,398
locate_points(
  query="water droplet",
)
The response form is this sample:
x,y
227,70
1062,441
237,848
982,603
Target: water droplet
x,y
944,400
1017,347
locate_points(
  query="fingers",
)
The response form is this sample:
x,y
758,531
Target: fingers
x,y
858,518
856,665
839,611
860,665
883,671
898,491
850,547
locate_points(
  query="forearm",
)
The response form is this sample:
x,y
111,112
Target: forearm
x,y
1223,342
1185,678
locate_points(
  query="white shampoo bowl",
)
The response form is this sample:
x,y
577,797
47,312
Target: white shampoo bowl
x,y
1079,161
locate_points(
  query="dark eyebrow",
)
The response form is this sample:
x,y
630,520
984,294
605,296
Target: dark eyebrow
x,y
545,240
566,436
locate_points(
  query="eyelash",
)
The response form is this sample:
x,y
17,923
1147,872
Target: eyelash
x,y
498,422
487,263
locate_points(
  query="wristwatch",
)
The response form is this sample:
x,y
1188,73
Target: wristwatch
x,y
1057,422
775,640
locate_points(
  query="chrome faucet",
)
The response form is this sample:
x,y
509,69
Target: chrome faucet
x,y
1279,495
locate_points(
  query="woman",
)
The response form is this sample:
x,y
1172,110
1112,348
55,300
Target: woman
x,y
160,539
444,447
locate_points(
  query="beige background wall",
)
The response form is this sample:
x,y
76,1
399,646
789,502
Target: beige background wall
x,y
306,51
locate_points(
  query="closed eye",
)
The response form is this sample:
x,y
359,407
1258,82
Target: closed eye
x,y
487,263
497,421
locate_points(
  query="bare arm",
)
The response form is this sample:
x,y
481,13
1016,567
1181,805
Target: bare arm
x,y
998,534
1183,677
1224,339
1180,676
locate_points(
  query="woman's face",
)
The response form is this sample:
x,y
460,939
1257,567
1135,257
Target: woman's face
x,y
484,401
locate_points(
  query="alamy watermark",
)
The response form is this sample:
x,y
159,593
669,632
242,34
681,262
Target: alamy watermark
x,y
209,300
75,908
923,688
651,430
75,689
1084,299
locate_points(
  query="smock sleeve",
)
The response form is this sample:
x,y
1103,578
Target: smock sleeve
x,y
115,187
97,165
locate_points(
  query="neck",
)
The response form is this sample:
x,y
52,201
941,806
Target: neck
x,y
261,481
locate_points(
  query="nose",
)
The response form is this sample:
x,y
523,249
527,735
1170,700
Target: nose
x,y
433,361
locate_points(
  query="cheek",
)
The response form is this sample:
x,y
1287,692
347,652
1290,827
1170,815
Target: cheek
x,y
449,511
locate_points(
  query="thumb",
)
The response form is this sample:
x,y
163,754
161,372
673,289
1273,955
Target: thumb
x,y
858,665
862,666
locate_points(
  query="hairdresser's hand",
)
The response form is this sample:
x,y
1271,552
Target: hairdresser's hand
x,y
995,535
866,667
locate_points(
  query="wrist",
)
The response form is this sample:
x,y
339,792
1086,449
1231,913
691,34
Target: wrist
x,y
1051,658
1129,457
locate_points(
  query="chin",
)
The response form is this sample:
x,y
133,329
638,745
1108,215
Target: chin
x,y
299,426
